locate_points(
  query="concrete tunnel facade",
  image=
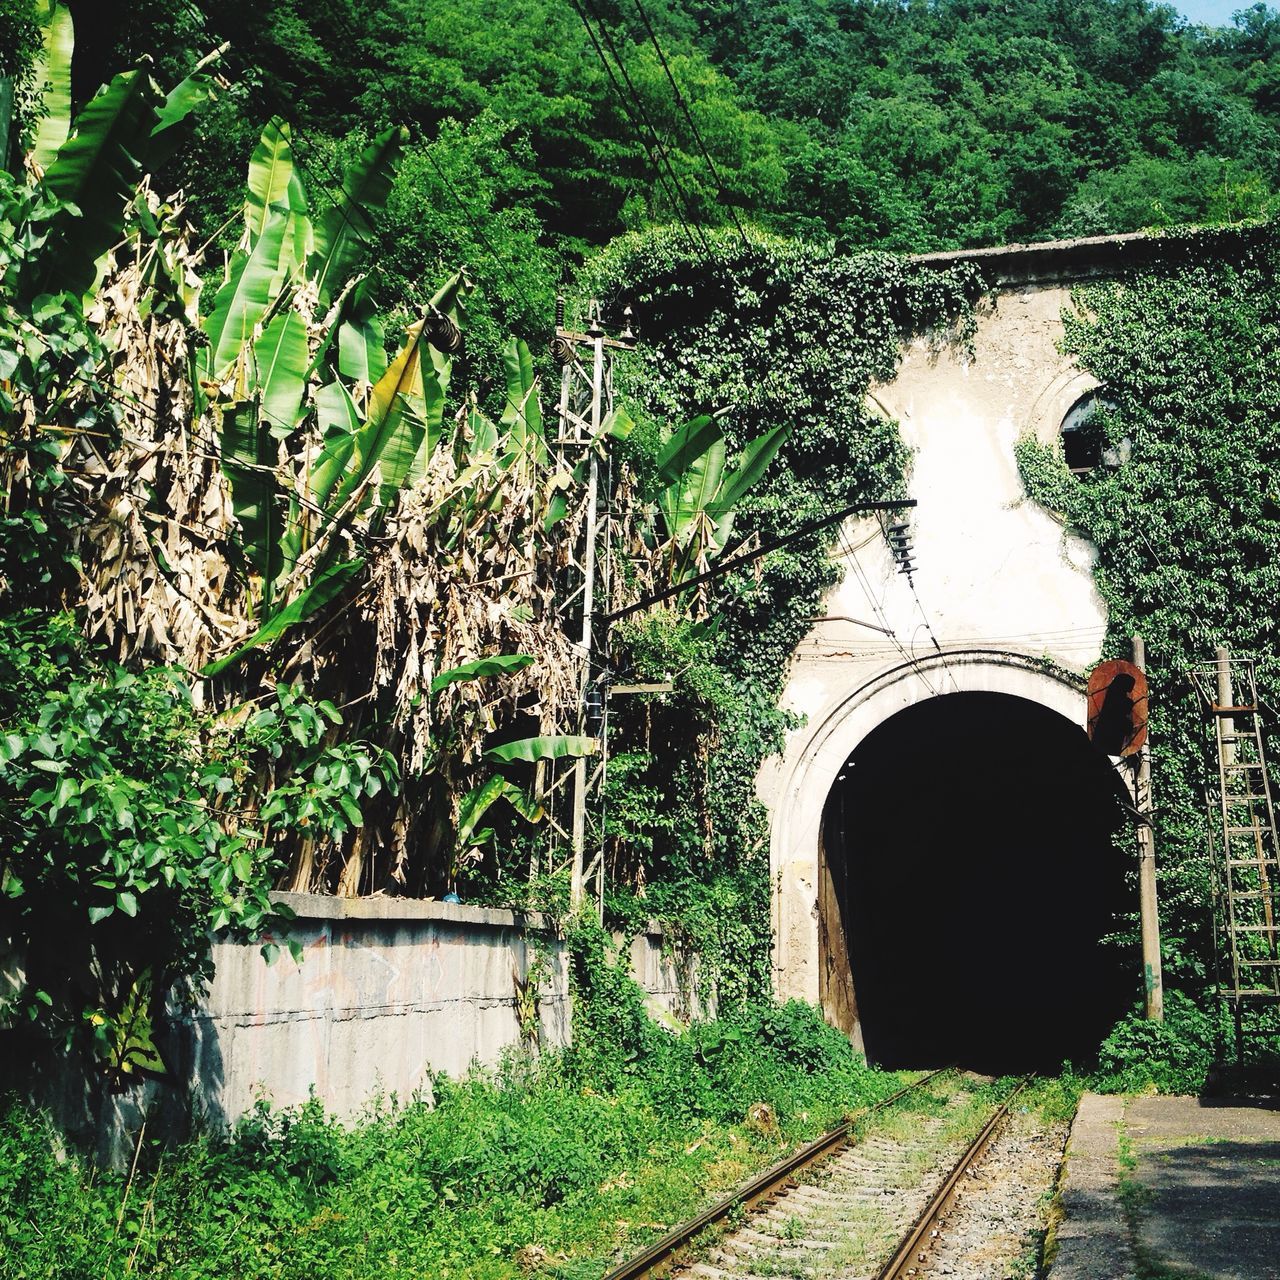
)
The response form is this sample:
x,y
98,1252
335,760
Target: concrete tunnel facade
x,y
1002,605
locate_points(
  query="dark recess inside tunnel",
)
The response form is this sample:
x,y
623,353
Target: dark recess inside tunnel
x,y
978,854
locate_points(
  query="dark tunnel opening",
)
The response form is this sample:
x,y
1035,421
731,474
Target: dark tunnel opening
x,y
977,851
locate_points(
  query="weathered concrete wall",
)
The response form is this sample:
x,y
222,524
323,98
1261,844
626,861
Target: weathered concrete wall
x,y
389,992
1008,592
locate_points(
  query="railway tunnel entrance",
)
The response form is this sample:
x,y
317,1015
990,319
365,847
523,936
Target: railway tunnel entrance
x,y
974,862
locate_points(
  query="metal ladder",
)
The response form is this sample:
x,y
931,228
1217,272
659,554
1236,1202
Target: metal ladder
x,y
1246,850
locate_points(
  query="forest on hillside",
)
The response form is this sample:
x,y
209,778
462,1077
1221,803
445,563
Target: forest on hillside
x,y
540,131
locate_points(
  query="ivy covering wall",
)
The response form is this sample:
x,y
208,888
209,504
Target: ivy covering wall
x,y
762,332
1185,515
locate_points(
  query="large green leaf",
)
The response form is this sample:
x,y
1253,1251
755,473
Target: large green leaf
x,y
168,133
686,501
271,175
96,171
344,232
281,356
499,665
394,428
554,747
249,452
449,301
339,420
522,414
326,585
362,354
619,424
244,298
53,69
687,443
752,463
477,802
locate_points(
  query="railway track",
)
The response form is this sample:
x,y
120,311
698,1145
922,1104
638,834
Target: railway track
x,y
838,1206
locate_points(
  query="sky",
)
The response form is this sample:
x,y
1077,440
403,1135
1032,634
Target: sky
x,y
1215,12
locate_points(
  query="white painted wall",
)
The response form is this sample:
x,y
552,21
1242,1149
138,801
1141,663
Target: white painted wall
x,y
1001,583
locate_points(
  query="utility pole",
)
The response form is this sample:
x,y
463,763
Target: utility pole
x,y
586,400
1153,980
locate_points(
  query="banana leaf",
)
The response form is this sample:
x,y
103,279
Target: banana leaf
x,y
405,417
249,455
300,236
339,420
619,424
344,232
687,444
553,747
522,414
325,586
362,354
53,68
477,802
168,133
270,175
280,355
244,298
96,171
394,428
684,502
499,665
753,461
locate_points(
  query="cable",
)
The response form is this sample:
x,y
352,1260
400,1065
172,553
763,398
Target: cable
x,y
688,115
658,152
928,626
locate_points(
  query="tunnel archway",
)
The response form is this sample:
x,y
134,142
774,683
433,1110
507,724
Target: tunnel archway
x,y
971,874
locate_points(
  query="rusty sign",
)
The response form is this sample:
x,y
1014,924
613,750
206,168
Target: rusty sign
x,y
1118,708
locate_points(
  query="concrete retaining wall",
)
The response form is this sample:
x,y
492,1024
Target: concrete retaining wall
x,y
389,992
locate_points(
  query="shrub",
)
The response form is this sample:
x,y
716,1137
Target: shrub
x,y
1173,1056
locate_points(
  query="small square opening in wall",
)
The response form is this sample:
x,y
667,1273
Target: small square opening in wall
x,y
1084,436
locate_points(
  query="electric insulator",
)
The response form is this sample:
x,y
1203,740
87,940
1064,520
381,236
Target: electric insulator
x,y
559,311
562,351
593,708
442,333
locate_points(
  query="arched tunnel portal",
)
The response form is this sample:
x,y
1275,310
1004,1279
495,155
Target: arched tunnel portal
x,y
974,843
949,868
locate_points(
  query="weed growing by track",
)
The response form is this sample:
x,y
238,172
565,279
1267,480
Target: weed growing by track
x,y
534,1165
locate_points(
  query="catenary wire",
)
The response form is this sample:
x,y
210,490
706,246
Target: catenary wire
x,y
688,115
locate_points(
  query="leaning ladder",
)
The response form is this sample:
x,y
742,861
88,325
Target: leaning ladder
x,y
1246,850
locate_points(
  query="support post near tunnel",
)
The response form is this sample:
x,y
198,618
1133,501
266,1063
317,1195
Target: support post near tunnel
x,y
1153,980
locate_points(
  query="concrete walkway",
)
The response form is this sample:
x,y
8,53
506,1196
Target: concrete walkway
x,y
1170,1186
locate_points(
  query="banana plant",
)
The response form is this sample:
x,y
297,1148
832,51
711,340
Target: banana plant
x,y
91,164
469,835
699,496
269,367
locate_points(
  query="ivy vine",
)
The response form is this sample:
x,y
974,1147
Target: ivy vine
x,y
1185,514
762,332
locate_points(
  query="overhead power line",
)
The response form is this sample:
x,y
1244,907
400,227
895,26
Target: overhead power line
x,y
688,115
636,113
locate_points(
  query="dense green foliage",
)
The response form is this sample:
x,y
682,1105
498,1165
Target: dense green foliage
x,y
536,1157
132,830
1173,1056
905,124
1186,518
768,333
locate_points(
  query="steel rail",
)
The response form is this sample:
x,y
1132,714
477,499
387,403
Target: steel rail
x,y
654,1260
913,1251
